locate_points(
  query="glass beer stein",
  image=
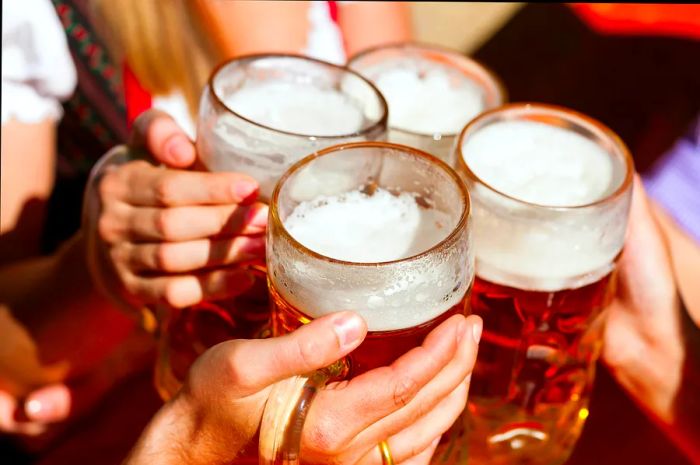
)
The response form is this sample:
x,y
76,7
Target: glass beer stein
x,y
550,191
432,93
258,115
377,228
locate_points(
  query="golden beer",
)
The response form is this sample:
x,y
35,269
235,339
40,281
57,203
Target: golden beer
x,y
380,229
380,348
551,191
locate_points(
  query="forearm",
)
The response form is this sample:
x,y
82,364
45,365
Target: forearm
x,y
663,378
54,300
684,427
180,434
164,440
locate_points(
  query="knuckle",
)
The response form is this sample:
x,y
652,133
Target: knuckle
x,y
107,229
310,353
107,185
165,190
405,388
323,440
236,367
423,408
166,223
163,257
415,449
119,257
133,288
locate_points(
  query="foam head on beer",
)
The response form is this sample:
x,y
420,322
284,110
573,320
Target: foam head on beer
x,y
262,114
395,249
436,100
360,228
531,164
298,108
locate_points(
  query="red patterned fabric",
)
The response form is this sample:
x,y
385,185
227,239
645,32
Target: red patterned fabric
x,y
137,98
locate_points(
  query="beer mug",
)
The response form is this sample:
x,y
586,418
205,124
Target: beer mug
x,y
550,191
432,93
258,115
377,228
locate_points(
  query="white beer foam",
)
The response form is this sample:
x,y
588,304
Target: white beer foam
x,y
359,228
433,102
235,145
297,108
367,229
539,163
530,248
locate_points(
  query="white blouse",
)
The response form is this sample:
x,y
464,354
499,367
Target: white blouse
x,y
324,42
37,69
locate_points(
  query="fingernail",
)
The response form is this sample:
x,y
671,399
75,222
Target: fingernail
x,y
477,328
39,410
245,190
462,330
348,327
257,216
180,149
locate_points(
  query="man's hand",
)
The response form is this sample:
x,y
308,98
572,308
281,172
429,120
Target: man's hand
x,y
409,404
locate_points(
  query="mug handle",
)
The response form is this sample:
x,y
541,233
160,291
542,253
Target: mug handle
x,y
285,413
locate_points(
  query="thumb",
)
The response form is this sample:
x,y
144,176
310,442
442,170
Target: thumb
x,y
157,133
252,365
646,276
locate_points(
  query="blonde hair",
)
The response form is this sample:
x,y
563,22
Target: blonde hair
x,y
163,41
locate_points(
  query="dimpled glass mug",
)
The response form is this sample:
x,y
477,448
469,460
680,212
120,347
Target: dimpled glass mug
x,y
258,115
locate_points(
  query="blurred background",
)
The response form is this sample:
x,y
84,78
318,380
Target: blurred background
x,y
636,68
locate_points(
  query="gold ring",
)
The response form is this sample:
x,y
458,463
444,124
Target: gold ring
x,y
384,451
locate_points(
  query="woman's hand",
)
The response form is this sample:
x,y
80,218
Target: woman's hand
x,y
651,344
409,404
162,235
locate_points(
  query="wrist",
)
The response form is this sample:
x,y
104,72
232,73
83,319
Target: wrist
x,y
167,438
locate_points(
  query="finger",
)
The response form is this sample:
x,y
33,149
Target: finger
x,y
186,290
9,422
425,457
188,223
254,364
49,404
153,186
412,442
180,257
646,273
382,391
157,133
438,388
423,435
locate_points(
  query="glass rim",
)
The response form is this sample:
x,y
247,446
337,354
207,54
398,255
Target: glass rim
x,y
447,240
566,114
218,102
472,64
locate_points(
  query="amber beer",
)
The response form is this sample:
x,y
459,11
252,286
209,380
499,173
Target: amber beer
x,y
551,192
377,228
380,348
333,226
